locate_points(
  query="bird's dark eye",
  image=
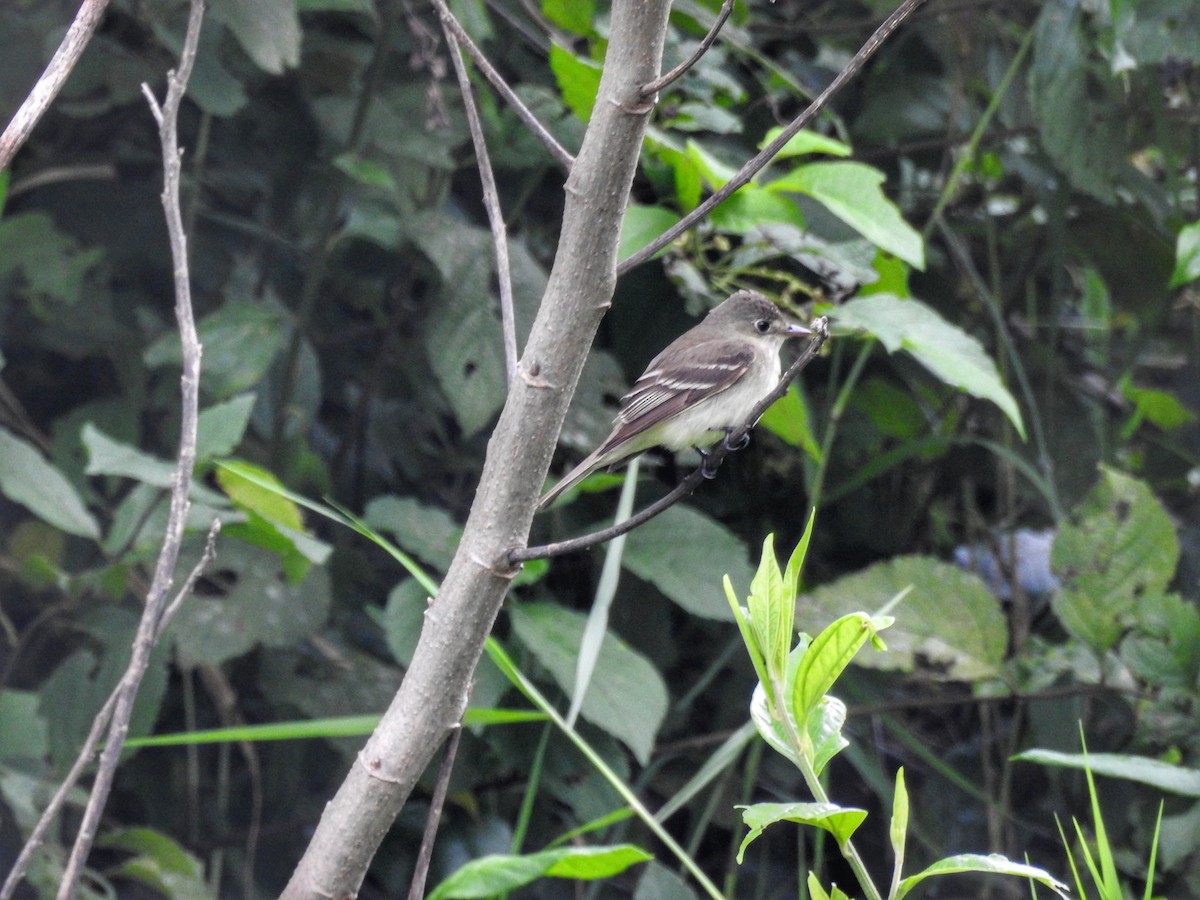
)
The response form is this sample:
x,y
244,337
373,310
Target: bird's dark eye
x,y
763,326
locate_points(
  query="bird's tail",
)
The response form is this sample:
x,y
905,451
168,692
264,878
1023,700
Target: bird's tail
x,y
572,478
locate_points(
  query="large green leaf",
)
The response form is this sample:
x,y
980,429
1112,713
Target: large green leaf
x,y
578,80
499,873
424,531
1154,772
947,626
992,863
685,554
839,821
626,696
1117,548
268,30
27,478
463,332
944,349
258,607
851,191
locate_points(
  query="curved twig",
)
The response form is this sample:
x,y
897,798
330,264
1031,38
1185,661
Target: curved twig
x,y
653,87
712,460
560,153
759,162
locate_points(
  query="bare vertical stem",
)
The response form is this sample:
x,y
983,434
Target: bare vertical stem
x,y
491,196
167,117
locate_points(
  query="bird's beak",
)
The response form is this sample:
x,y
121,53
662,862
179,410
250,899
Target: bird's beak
x,y
794,329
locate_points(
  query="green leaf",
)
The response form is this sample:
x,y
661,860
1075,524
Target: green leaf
x,y
1117,547
1187,256
1160,408
1144,770
23,731
840,821
992,863
553,635
689,572
851,191
949,625
51,261
574,16
159,862
27,478
823,728
944,349
898,830
222,426
243,482
426,532
804,143
240,340
259,607
578,80
770,612
641,225
752,207
268,30
499,873
789,418
825,660
462,329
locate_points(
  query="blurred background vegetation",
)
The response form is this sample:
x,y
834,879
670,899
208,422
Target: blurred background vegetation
x,y
1044,156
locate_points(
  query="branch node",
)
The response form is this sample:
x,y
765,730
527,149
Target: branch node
x,y
374,768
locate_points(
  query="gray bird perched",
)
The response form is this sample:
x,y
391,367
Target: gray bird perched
x,y
706,382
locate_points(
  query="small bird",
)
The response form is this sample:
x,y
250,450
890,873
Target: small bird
x,y
704,384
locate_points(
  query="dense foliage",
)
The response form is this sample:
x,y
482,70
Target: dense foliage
x,y
995,216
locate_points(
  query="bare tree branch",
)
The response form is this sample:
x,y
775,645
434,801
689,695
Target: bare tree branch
x,y
705,471
653,87
416,889
152,613
565,159
759,162
52,79
491,197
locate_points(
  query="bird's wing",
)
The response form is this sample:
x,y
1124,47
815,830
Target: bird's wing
x,y
700,372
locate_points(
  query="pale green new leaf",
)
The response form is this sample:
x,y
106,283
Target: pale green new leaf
x,y
840,821
944,349
827,657
1187,256
977,862
1156,773
500,873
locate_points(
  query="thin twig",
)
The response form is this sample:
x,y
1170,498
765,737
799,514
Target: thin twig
x,y
148,628
491,200
653,87
518,555
560,154
416,888
758,163
53,77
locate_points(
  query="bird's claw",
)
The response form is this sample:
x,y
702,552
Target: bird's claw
x,y
731,444
708,465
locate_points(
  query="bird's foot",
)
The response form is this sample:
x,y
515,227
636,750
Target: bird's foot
x,y
740,442
708,465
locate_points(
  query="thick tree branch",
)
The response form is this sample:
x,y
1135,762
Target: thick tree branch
x,y
580,288
52,79
759,162
707,470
